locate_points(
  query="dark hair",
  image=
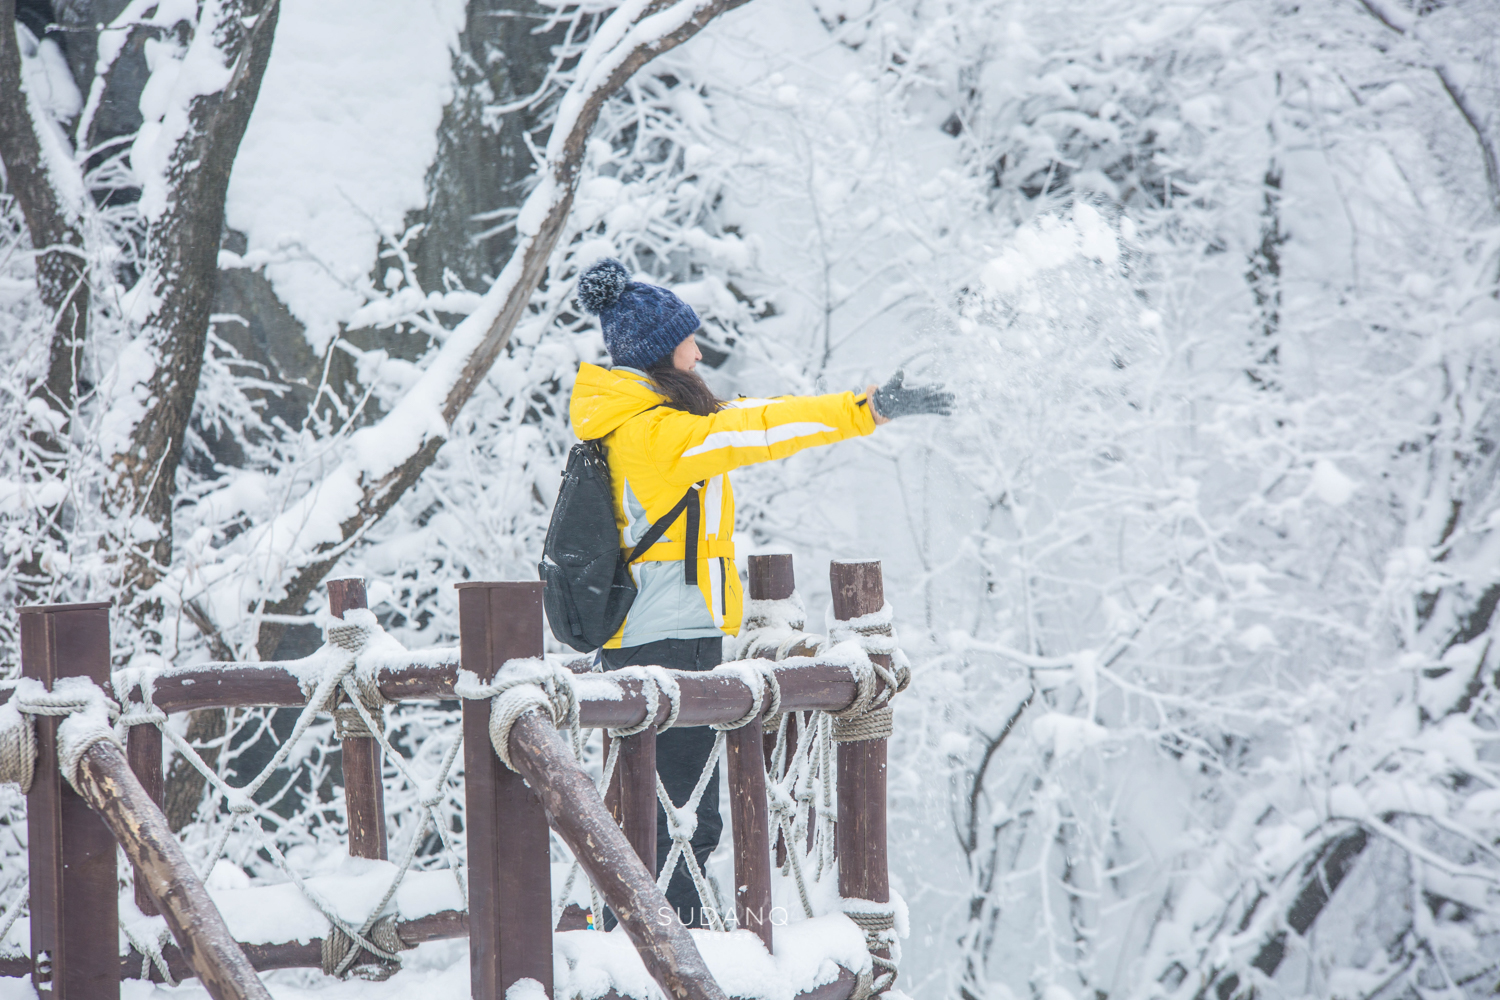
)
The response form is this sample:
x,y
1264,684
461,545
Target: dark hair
x,y
684,390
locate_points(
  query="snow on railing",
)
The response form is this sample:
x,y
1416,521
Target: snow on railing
x,y
802,723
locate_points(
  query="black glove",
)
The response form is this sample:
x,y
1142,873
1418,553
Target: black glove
x,y
894,400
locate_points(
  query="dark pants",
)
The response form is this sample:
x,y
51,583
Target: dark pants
x,y
680,756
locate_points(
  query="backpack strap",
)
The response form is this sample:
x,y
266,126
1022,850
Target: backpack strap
x,y
689,503
658,528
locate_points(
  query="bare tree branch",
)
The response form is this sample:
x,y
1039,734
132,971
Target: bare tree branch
x,y
1466,109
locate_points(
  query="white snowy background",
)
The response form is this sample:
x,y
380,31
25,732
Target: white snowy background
x,y
1198,582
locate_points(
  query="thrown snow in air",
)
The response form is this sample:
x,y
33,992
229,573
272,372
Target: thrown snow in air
x,y
339,145
1051,243
1330,485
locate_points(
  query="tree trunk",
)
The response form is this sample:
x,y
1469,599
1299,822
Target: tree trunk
x,y
182,265
54,224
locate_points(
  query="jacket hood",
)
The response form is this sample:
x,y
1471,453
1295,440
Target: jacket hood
x,y
604,398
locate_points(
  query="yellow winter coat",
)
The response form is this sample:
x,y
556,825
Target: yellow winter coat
x,y
656,453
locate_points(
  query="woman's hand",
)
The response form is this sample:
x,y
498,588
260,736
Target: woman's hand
x,y
897,400
870,402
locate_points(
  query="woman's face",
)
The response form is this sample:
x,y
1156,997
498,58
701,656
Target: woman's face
x,y
686,356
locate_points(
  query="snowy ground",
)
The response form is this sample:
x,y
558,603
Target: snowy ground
x,y
586,964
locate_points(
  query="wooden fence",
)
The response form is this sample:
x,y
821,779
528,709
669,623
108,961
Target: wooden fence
x,y
509,923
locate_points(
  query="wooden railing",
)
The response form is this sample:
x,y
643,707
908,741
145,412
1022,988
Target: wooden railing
x,y
74,915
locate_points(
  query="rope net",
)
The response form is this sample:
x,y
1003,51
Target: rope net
x,y
274,813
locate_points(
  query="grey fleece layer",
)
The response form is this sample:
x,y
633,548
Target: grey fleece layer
x,y
665,606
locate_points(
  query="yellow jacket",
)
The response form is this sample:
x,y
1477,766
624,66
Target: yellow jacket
x,y
656,453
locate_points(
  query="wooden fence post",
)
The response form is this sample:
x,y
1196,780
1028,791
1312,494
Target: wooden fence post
x,y
771,579
860,840
143,750
631,795
75,913
748,816
510,871
364,785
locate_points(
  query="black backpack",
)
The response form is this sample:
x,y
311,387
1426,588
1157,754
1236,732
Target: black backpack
x,y
588,588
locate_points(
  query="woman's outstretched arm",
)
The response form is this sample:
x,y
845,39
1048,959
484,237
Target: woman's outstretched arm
x,y
688,448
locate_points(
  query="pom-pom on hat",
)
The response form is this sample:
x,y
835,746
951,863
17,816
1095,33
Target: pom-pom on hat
x,y
642,323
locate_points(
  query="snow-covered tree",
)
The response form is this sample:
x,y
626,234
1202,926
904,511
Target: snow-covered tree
x,y
1199,584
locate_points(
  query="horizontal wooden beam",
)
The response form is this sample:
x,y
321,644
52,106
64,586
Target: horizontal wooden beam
x,y
296,955
604,700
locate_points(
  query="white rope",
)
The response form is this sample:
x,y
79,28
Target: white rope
x,y
151,953
785,646
759,676
85,712
338,952
428,801
353,713
682,823
874,631
241,804
783,807
803,791
655,682
827,811
361,693
17,748
522,686
342,679
596,905
868,717
878,922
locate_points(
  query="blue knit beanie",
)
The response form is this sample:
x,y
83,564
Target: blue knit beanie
x,y
642,323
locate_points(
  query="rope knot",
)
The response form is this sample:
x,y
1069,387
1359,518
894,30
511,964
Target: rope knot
x,y
373,958
349,724
86,713
356,704
350,635
17,747
522,686
878,921
876,681
769,627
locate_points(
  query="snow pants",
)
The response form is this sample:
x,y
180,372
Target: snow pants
x,y
680,756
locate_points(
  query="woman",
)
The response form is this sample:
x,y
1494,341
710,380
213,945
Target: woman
x,y
665,433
